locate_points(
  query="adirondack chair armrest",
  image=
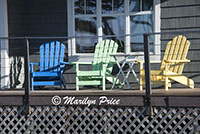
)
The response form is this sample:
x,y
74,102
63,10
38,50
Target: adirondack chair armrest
x,y
31,66
64,63
86,63
142,62
177,61
31,63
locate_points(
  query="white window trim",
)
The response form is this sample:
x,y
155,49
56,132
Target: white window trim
x,y
4,45
73,56
157,29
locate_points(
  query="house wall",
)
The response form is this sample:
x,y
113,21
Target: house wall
x,y
183,15
49,18
32,18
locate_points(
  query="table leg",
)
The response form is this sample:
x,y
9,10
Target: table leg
x,y
125,78
133,71
129,71
120,71
117,73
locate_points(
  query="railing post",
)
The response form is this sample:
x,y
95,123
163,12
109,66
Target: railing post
x,y
147,100
27,78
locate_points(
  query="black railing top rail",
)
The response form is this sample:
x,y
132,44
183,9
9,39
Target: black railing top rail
x,y
108,36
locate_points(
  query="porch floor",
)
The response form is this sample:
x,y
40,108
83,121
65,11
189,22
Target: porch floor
x,y
175,97
94,91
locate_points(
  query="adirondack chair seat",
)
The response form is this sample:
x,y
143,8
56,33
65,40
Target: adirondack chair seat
x,y
171,65
89,73
51,65
45,74
44,83
93,77
102,66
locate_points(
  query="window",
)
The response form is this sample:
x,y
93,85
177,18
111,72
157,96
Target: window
x,y
90,21
85,26
141,21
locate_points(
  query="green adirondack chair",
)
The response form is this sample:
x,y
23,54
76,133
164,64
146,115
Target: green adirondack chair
x,y
102,66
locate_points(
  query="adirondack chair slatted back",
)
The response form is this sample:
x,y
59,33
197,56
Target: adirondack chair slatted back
x,y
102,54
176,49
51,54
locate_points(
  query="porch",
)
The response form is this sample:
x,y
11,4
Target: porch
x,y
175,97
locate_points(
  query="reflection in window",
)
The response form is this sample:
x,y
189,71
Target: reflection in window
x,y
90,6
147,5
85,27
85,7
112,6
140,24
113,23
134,5
141,5
114,26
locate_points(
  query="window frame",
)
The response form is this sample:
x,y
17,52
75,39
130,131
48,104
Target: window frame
x,y
73,56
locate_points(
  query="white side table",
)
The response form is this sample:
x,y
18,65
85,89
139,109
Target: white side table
x,y
130,60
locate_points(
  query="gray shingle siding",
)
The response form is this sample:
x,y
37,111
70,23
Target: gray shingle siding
x,y
183,15
33,18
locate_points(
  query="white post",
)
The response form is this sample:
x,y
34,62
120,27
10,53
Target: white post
x,y
157,25
127,28
71,29
99,21
4,45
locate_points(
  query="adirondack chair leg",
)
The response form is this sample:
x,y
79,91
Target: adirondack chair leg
x,y
60,81
60,84
166,83
77,82
63,82
141,87
32,83
104,83
141,76
141,83
169,84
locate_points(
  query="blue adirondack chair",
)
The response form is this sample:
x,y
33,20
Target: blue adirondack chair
x,y
51,65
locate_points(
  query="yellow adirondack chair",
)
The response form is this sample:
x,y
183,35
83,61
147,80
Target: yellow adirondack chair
x,y
171,65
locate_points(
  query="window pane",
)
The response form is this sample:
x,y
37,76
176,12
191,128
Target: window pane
x,y
85,7
147,5
79,6
114,26
85,27
134,5
140,24
90,6
112,6
118,6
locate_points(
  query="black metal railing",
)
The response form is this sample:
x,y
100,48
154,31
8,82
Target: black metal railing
x,y
146,36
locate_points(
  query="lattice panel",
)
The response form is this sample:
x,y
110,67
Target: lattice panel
x,y
79,119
